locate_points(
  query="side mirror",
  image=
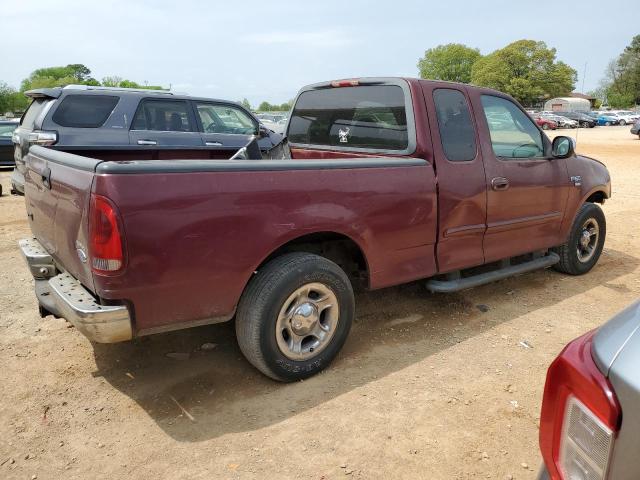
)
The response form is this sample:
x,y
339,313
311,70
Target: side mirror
x,y
263,131
562,147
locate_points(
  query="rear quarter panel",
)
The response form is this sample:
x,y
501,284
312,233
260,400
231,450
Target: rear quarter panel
x,y
194,239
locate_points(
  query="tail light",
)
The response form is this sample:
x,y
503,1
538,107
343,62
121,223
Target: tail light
x,y
105,237
39,137
580,416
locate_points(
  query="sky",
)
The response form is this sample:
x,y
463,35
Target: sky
x,y
268,50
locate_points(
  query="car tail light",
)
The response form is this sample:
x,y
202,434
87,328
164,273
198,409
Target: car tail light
x,y
39,137
105,237
580,415
345,83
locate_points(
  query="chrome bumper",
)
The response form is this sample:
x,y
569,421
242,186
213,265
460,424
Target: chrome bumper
x,y
65,296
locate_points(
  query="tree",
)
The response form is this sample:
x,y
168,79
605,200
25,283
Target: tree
x,y
58,76
11,100
245,103
622,77
452,62
526,70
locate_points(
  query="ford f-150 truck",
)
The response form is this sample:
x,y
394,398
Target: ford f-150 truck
x,y
383,181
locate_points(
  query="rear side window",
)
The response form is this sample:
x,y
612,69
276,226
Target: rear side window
x,y
163,116
29,118
371,117
454,123
84,111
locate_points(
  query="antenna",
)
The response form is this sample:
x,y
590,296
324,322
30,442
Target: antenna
x,y
584,74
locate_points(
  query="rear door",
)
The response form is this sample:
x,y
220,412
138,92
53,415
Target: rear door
x,y
224,125
526,188
461,183
164,122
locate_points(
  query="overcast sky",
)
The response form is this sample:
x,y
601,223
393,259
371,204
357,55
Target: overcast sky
x,y
267,50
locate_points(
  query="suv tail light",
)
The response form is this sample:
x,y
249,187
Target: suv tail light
x,y
580,415
40,137
105,236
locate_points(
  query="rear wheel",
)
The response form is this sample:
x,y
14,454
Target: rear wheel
x,y
608,124
622,122
586,240
545,126
294,316
584,124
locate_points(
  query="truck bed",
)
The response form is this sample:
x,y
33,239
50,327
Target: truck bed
x,y
195,230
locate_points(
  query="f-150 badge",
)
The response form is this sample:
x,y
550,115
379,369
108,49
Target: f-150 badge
x,y
344,135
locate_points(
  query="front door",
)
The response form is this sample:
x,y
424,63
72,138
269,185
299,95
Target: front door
x,y
224,125
526,188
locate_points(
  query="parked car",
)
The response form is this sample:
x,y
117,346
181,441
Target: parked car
x,y
583,119
627,117
590,417
144,246
635,130
544,123
563,122
6,145
86,117
608,119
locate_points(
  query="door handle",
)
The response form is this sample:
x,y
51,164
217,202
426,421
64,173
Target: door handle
x,y
46,177
147,142
213,144
499,183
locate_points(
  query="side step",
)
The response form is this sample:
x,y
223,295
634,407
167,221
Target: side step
x,y
454,285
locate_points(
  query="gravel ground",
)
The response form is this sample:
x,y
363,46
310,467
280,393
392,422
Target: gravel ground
x,y
427,386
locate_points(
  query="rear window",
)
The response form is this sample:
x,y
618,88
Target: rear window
x,y
371,117
29,117
84,111
454,123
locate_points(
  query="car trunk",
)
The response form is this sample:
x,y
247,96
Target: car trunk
x,y
57,198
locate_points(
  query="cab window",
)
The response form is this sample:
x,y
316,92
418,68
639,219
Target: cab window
x,y
513,133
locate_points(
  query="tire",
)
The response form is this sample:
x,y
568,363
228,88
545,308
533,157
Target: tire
x,y
262,312
584,124
622,122
575,257
608,124
545,126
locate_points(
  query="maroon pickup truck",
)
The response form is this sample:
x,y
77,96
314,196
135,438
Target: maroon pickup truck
x,y
383,181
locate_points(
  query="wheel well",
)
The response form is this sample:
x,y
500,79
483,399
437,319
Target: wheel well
x,y
597,197
336,247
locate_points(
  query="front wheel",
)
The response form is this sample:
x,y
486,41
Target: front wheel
x,y
294,316
586,240
622,122
584,124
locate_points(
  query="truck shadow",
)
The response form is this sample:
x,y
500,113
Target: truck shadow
x,y
195,393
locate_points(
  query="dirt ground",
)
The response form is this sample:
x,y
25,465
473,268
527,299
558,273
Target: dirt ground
x,y
427,386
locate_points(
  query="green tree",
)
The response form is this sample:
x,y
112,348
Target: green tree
x,y
245,103
622,77
265,107
119,82
452,62
58,77
526,70
11,100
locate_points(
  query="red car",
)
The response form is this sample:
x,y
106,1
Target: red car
x,y
134,241
544,123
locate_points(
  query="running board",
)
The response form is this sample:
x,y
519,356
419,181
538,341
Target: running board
x,y
454,285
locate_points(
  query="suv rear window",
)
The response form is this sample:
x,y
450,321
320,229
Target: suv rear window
x,y
29,117
372,117
84,111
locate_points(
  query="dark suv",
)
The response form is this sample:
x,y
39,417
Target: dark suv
x,y
86,118
584,120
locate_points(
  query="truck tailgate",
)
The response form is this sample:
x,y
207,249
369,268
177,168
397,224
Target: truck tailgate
x,y
58,191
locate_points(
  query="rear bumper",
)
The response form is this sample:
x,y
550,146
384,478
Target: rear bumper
x,y
65,297
17,182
